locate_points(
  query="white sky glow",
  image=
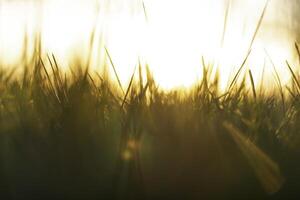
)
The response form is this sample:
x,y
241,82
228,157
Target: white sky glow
x,y
173,39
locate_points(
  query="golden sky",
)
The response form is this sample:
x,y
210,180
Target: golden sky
x,y
172,40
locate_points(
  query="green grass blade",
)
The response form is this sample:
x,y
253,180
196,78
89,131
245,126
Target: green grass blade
x,y
128,88
252,84
114,69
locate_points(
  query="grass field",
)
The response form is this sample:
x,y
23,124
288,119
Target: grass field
x,y
79,136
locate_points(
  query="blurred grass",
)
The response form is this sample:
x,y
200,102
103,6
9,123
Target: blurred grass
x,y
81,135
78,136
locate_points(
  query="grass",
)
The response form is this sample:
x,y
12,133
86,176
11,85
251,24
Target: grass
x,y
78,136
81,135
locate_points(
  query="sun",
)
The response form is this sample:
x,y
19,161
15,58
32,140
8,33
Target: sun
x,y
171,36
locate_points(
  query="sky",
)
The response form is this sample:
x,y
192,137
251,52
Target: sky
x,y
172,38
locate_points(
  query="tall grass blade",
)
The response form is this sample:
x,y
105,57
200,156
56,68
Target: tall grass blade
x,y
252,84
279,83
251,43
145,11
114,69
128,88
298,51
225,22
259,23
239,71
294,75
140,76
291,92
49,80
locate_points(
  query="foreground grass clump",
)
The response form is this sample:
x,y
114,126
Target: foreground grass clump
x,y
79,137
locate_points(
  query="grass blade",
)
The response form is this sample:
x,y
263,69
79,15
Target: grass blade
x,y
259,23
298,51
252,84
128,89
225,22
294,75
251,43
115,71
145,11
239,71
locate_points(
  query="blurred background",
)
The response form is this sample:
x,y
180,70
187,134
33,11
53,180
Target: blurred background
x,y
170,35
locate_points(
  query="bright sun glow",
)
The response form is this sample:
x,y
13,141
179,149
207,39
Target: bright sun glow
x,y
172,36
